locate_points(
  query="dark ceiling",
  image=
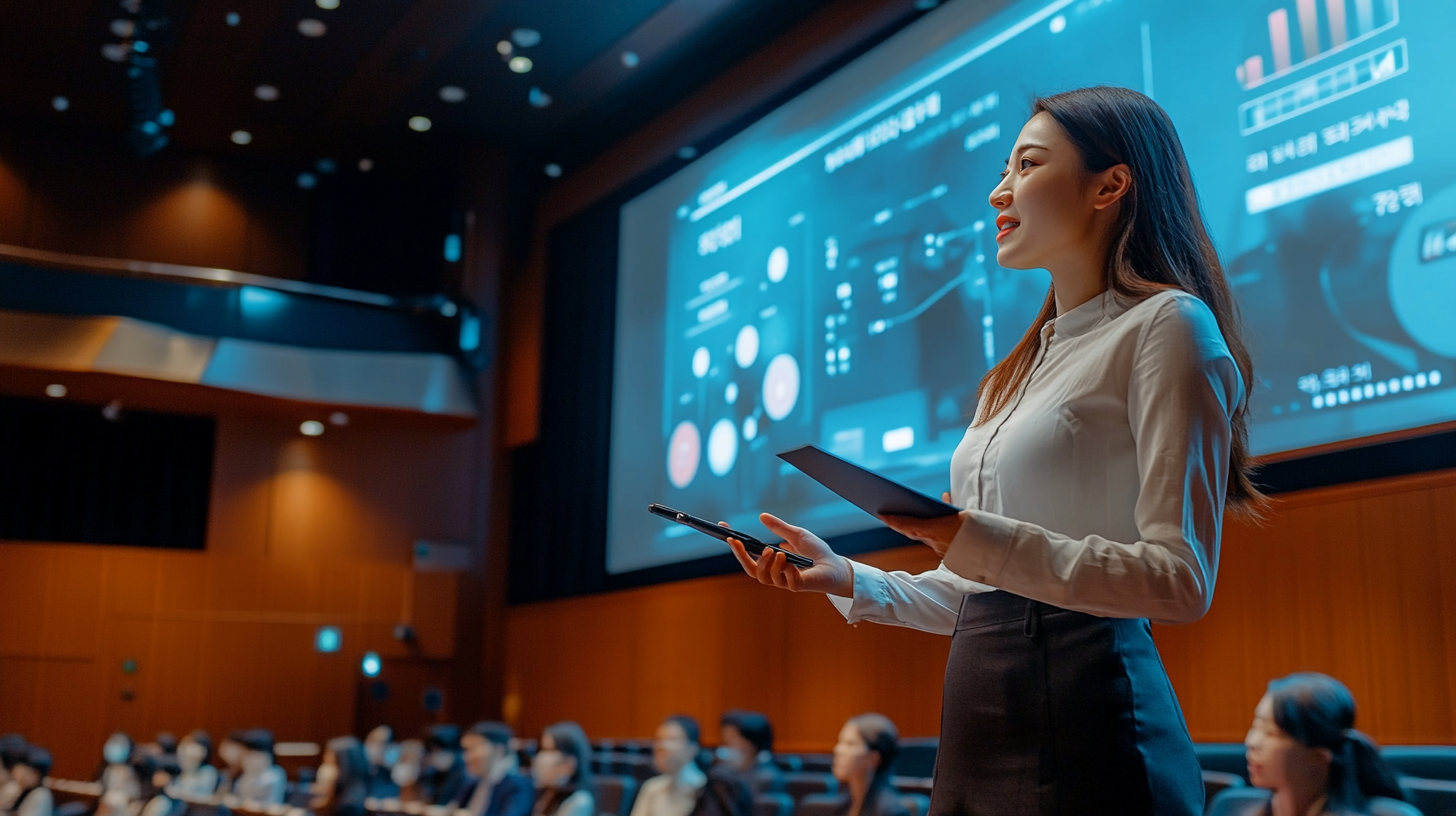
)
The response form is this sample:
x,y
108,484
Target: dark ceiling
x,y
351,92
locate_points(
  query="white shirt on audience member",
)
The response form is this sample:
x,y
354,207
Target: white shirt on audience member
x,y
9,791
1099,488
267,786
37,802
663,795
199,783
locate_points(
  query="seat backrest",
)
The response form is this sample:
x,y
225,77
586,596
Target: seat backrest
x,y
1226,757
1424,761
819,763
773,804
1433,797
1238,802
807,783
818,804
917,756
1215,782
913,784
614,794
917,803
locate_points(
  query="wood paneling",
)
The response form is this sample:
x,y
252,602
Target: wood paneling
x,y
1357,581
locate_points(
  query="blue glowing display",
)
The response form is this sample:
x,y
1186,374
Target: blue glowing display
x,y
328,639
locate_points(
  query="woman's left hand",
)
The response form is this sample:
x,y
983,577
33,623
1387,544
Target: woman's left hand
x,y
935,533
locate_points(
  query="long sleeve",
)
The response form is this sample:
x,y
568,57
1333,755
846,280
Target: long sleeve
x,y
929,601
37,803
1182,392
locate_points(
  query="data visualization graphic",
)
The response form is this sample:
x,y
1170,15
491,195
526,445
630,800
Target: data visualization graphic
x,y
829,275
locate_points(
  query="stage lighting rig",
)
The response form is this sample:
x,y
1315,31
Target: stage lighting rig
x,y
142,31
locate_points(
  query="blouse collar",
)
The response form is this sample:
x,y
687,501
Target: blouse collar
x,y
1105,307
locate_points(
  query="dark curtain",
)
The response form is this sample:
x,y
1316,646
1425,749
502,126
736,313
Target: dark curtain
x,y
68,474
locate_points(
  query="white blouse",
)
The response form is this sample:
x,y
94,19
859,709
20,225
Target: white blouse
x,y
1100,487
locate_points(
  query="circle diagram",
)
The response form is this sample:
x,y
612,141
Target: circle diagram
x,y
778,264
745,348
780,387
1423,274
722,447
730,393
683,452
750,427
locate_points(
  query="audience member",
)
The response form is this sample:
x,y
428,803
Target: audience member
x,y
29,773
1304,747
162,772
381,752
561,770
12,751
262,781
862,758
230,751
496,786
197,779
342,782
681,788
119,784
405,773
442,775
747,749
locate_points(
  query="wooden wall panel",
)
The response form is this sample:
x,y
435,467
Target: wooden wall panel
x,y
1357,581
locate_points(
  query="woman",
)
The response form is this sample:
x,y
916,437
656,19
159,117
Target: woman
x,y
1303,745
562,772
862,758
1095,476
198,779
343,779
120,786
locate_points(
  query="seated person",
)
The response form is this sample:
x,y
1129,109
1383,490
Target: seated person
x,y
12,750
342,781
496,786
120,786
862,758
29,773
747,749
163,771
380,750
197,778
262,781
230,752
681,788
404,774
562,772
442,775
1304,747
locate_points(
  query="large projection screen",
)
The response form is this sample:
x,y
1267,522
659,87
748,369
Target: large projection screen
x,y
828,275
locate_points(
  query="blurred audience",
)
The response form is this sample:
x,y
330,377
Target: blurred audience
x,y
382,754
681,787
561,770
747,749
442,776
1304,747
262,781
342,780
406,771
119,784
230,752
197,778
495,786
30,770
862,759
161,771
12,750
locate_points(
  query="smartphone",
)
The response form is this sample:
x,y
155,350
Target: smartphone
x,y
753,545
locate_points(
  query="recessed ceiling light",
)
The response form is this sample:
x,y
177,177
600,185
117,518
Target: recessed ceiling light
x,y
307,181
553,170
312,28
539,98
520,64
60,103
630,59
452,93
526,37
339,418
55,390
327,5
116,52
267,93
504,48
420,124
311,427
123,28
232,18
365,165
242,137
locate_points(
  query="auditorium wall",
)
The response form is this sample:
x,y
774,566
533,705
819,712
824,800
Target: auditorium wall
x,y
1358,581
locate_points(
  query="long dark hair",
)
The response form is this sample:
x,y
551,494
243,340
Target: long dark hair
x,y
881,736
1317,711
568,738
352,784
1159,242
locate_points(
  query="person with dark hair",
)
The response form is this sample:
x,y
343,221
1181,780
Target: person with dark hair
x,y
29,773
1104,450
230,752
342,779
863,757
496,786
120,786
681,787
561,770
262,781
381,752
12,750
1304,747
160,771
746,748
197,778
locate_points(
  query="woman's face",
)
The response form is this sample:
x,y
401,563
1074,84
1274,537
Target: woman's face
x,y
117,749
1048,202
736,750
853,759
671,750
190,754
1277,760
551,768
230,752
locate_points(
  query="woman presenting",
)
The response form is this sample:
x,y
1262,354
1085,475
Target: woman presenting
x,y
1095,475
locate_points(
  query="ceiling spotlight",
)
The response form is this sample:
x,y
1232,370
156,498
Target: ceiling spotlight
x,y
365,165
60,103
630,59
123,28
307,181
55,390
553,170
327,5
232,18
311,427
526,37
520,64
504,48
116,52
539,98
339,418
242,137
312,28
111,411
267,93
420,124
687,152
452,93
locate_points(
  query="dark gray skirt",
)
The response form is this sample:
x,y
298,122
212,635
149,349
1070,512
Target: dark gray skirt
x,y
1055,713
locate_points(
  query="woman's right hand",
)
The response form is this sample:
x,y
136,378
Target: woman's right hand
x,y
831,573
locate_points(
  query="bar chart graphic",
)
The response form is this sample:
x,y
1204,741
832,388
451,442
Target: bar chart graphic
x,y
1322,27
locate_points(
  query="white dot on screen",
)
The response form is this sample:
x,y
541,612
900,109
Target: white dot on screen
x,y
311,427
1058,24
420,124
701,361
1435,378
1408,382
241,137
1421,380
1317,401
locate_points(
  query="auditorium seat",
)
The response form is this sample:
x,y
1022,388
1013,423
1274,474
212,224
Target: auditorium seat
x,y
773,804
917,803
1225,757
912,784
1216,781
818,804
1434,797
1423,761
789,763
917,756
1252,801
803,784
820,763
615,794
